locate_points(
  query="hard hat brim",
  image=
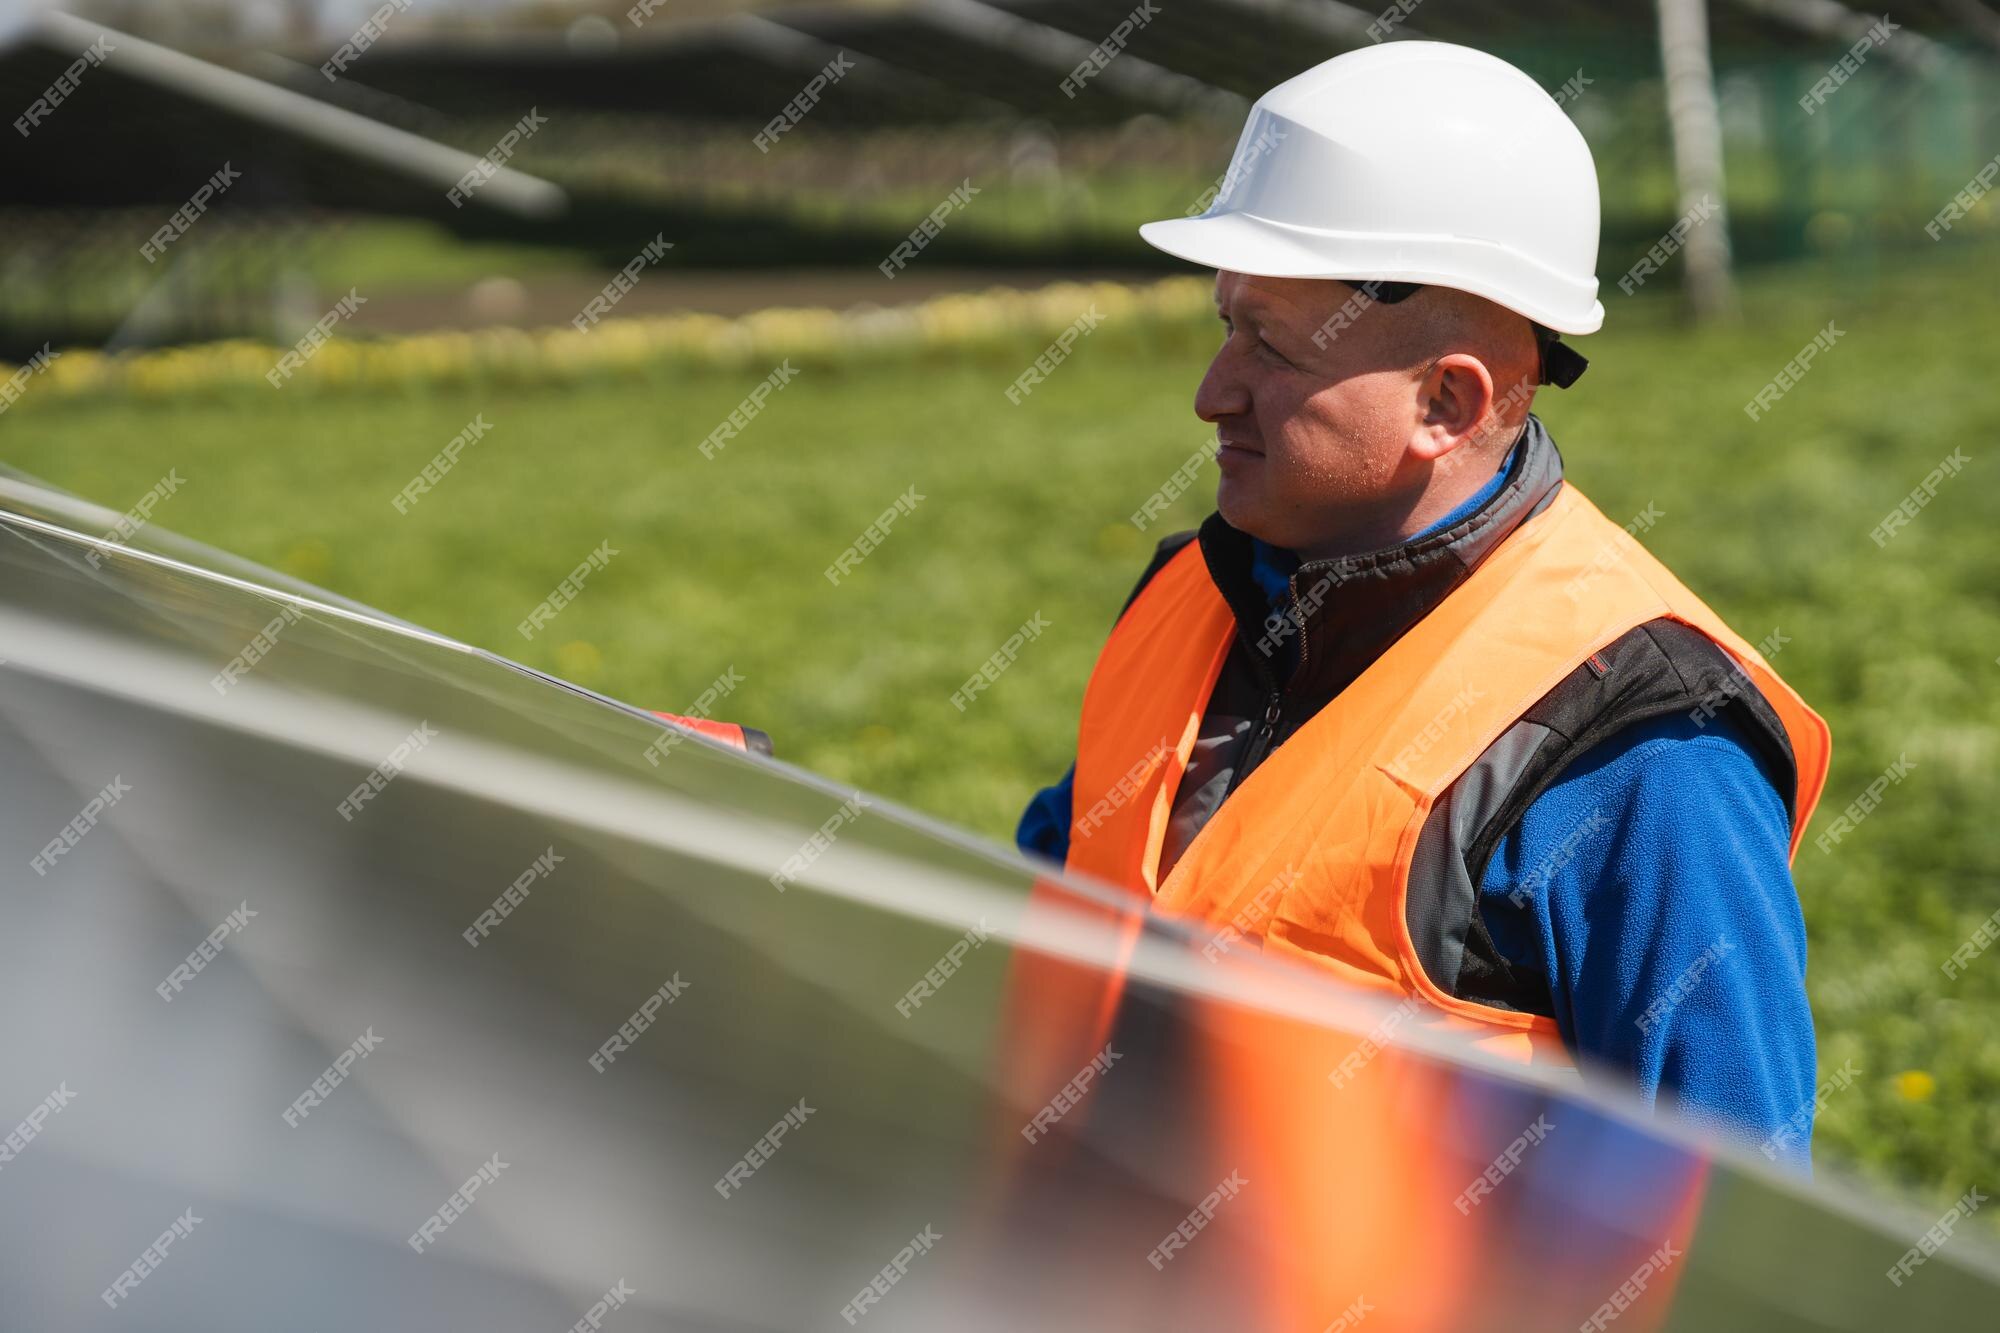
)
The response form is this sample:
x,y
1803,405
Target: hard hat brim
x,y
1244,243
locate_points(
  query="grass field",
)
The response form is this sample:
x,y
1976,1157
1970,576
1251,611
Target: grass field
x,y
1024,510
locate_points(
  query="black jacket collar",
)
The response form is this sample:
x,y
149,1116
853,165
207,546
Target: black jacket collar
x,y
1343,613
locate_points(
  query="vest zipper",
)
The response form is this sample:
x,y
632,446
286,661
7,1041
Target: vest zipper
x,y
1260,744
1267,730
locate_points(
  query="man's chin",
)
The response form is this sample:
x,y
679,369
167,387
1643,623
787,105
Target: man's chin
x,y
1243,508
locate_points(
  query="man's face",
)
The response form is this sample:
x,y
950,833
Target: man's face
x,y
1314,406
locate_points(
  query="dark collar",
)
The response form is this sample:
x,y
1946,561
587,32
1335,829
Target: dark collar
x,y
1344,612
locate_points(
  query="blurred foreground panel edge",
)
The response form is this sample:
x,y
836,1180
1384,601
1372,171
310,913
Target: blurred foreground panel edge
x,y
362,979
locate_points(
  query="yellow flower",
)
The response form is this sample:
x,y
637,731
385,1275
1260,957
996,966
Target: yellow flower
x,y
1915,1085
309,559
1119,540
687,338
579,661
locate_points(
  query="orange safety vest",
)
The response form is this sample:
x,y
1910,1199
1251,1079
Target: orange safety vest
x,y
1312,853
729,733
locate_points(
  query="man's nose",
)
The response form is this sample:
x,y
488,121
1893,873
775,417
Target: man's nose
x,y
1222,392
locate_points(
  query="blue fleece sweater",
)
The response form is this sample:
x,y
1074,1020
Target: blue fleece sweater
x,y
1661,909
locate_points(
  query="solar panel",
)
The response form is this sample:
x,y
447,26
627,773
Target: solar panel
x,y
361,979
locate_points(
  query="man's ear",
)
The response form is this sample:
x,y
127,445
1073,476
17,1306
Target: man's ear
x,y
1455,393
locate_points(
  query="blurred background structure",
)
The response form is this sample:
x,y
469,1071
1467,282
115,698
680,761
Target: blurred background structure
x,y
1849,154
651,111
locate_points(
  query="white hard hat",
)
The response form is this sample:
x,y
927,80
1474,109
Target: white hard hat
x,y
1415,162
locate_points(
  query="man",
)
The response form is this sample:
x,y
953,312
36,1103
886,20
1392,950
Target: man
x,y
1408,707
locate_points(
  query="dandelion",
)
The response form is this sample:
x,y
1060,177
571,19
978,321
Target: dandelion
x,y
579,660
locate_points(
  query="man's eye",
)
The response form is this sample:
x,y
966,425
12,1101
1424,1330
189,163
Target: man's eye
x,y
1229,329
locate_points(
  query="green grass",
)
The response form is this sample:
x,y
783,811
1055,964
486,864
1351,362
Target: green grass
x,y
403,254
1025,510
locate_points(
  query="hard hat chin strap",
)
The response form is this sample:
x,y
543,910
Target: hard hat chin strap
x,y
1388,293
1561,363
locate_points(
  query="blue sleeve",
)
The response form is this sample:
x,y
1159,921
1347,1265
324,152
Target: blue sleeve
x,y
1044,826
1660,904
